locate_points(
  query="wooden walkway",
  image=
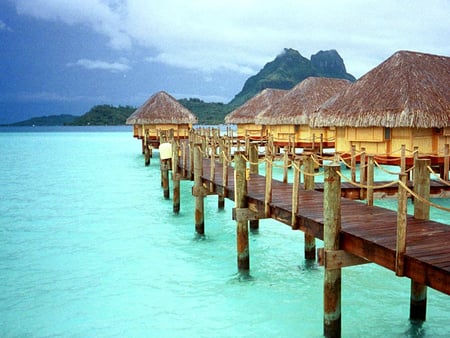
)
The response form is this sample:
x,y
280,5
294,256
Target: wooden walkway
x,y
368,232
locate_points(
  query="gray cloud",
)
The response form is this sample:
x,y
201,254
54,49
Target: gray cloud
x,y
241,35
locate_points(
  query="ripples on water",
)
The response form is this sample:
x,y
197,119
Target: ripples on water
x,y
89,247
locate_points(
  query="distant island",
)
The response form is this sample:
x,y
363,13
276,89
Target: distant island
x,y
284,72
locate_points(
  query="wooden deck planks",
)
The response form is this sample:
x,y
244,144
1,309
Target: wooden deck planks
x,y
368,232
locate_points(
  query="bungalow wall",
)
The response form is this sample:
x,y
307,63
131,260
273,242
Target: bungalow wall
x,y
250,129
387,141
281,132
303,134
152,130
443,139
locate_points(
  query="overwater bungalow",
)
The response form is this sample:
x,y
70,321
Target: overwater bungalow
x,y
160,114
288,120
403,101
244,116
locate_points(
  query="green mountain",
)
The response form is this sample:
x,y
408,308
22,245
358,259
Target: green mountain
x,y
52,120
208,113
104,115
288,69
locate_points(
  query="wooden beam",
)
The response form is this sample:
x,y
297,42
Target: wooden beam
x,y
334,259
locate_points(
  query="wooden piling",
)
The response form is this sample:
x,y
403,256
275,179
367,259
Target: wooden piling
x,y
175,178
332,227
310,240
254,170
165,178
243,256
198,190
147,154
295,189
418,299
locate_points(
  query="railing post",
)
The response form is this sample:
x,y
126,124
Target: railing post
x,y
268,190
221,201
370,178
332,228
446,162
401,225
240,198
418,299
212,171
285,164
353,163
403,158
362,171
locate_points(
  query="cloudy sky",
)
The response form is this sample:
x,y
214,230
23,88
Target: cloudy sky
x,y
65,56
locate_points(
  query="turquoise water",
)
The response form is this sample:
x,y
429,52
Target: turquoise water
x,y
90,248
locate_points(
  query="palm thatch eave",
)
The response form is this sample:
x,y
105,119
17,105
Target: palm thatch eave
x,y
162,108
409,89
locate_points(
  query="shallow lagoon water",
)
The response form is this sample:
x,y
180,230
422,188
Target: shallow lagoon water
x,y
90,248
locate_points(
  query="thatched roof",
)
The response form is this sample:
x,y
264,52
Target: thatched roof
x,y
161,108
301,101
257,104
409,89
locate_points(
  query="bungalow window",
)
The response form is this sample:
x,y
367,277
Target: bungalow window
x,y
387,133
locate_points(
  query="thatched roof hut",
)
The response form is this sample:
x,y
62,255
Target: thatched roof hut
x,y
161,108
246,113
296,106
409,89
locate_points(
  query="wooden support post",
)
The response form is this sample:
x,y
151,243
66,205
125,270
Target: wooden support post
x,y
362,171
446,162
198,191
146,155
332,228
353,163
191,161
403,158
254,170
253,157
401,225
165,178
310,240
268,190
184,146
285,164
221,201
370,178
418,299
321,145
175,178
240,198
247,142
212,171
295,188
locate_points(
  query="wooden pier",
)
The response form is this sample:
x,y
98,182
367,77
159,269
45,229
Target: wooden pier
x,y
353,232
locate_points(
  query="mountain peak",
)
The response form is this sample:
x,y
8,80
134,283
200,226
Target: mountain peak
x,y
288,69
